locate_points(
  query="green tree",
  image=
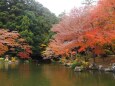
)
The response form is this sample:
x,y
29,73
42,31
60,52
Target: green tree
x,y
30,18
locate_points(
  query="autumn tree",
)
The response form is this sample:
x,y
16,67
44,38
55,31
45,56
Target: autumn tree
x,y
12,42
87,29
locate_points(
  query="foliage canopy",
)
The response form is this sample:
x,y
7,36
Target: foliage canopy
x,y
30,18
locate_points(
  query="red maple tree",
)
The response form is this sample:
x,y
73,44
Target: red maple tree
x,y
85,27
10,41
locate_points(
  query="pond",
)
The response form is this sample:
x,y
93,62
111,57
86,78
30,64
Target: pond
x,y
51,75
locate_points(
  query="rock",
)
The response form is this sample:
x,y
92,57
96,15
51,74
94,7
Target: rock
x,y
110,69
93,66
78,69
100,68
113,67
26,61
68,64
107,69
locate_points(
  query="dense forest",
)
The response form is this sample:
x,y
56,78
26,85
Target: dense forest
x,y
30,19
85,32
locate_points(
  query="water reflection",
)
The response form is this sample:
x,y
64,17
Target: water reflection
x,y
1,65
8,65
59,76
51,75
114,75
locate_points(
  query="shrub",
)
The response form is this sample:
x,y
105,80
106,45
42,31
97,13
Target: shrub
x,y
108,52
75,63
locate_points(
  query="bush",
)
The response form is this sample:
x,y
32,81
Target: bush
x,y
85,64
108,52
62,60
75,63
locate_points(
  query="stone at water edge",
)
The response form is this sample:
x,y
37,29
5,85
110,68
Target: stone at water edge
x,y
78,69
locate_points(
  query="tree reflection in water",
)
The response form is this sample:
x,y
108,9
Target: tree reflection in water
x,y
51,75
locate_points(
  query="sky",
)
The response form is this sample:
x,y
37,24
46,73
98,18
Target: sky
x,y
59,6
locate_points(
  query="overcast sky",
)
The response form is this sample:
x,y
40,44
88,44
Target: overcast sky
x,y
59,6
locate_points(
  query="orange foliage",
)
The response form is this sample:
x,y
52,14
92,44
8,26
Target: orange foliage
x,y
92,27
11,41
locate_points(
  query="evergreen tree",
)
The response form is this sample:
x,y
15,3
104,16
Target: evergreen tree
x,y
30,19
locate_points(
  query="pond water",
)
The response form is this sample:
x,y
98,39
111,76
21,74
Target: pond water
x,y
51,75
